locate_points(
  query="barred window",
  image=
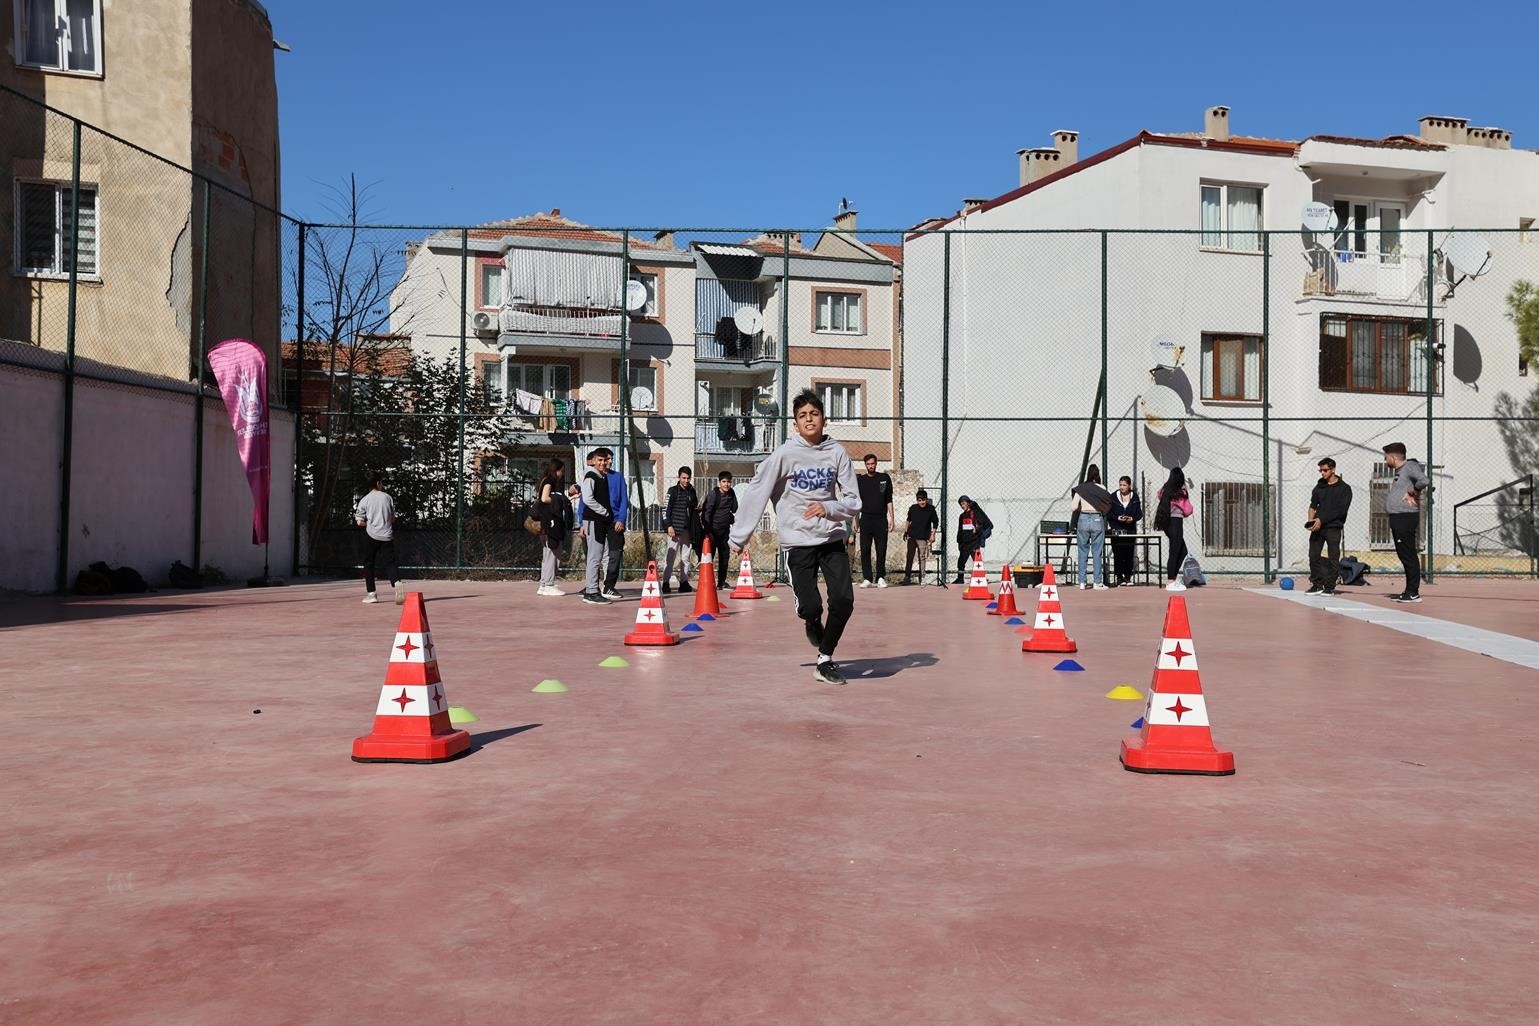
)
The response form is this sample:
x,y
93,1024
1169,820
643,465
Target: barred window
x,y
1232,518
1376,354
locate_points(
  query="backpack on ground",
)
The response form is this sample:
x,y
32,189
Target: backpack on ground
x,y
1191,573
128,580
1352,570
184,576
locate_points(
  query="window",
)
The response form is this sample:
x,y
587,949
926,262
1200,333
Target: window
x,y
1231,517
842,402
491,285
1231,217
650,282
59,35
728,400
1376,354
1231,368
643,386
838,311
491,381
44,216
1359,221
546,380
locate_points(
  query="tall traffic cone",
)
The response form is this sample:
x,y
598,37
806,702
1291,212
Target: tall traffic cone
x,y
411,721
1006,603
651,620
705,583
745,587
1047,633
1175,737
978,583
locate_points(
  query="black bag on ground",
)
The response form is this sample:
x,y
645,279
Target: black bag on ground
x,y
184,576
90,582
1352,570
127,579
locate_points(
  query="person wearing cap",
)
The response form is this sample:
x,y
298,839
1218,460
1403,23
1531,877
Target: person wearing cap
x,y
973,530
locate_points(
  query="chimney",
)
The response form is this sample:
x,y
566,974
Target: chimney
x,y
780,238
844,221
664,239
972,203
1215,123
1038,163
1066,142
1491,138
1439,129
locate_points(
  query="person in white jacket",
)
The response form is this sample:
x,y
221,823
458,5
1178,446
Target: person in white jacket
x,y
811,481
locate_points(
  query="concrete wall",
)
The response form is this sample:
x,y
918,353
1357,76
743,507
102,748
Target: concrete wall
x,y
133,468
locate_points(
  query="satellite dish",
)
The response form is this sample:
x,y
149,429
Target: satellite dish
x,y
748,320
765,406
1468,253
641,398
635,295
1319,217
1167,351
1163,411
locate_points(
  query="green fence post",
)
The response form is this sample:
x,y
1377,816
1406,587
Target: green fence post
x,y
298,400
782,571
1431,383
945,453
66,461
1266,408
197,478
459,457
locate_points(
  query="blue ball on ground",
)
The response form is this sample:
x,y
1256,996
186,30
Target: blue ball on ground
x,y
1286,584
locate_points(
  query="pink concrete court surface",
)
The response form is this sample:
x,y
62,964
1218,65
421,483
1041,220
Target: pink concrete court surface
x,y
709,836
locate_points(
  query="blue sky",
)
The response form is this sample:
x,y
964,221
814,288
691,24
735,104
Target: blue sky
x,y
739,115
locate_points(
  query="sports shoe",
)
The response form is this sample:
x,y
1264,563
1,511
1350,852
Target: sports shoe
x,y
1175,586
1405,597
667,589
1314,590
1102,587
684,588
827,673
881,582
865,584
611,593
814,630
550,590
1084,586
1328,592
594,598
370,598
400,593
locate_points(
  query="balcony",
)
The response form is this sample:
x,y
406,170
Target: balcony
x,y
558,327
744,351
1390,276
756,436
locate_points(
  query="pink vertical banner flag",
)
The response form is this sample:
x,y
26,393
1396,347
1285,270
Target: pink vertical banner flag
x,y
240,368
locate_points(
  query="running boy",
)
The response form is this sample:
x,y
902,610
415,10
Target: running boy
x,y
801,478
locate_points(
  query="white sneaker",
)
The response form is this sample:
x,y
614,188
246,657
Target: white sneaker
x,y
550,590
1175,586
865,584
1085,586
881,582
1102,587
370,597
610,593
400,593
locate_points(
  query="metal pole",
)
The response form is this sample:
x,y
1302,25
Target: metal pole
x,y
197,484
782,571
945,453
1266,408
459,460
1431,381
1105,345
298,400
67,443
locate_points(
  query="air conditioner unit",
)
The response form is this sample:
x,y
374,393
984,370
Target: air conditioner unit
x,y
484,323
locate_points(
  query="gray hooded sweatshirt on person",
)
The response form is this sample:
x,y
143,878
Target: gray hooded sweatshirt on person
x,y
793,477
1409,479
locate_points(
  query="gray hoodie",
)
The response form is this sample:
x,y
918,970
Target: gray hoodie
x,y
1409,478
793,477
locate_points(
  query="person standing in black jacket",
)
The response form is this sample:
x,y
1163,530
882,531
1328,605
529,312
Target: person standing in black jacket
x,y
716,517
679,517
554,513
1328,505
919,530
1125,516
876,520
973,530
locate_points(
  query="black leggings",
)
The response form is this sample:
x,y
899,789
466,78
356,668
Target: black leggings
x,y
1177,548
833,559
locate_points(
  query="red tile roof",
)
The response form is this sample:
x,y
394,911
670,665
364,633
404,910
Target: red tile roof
x,y
552,225
889,250
1392,142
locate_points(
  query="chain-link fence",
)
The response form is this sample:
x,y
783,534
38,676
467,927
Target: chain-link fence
x,y
126,269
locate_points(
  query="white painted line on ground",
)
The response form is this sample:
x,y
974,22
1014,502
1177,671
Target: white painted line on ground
x,y
1506,647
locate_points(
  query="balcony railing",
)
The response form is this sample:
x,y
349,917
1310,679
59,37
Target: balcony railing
x,y
551,320
747,349
754,435
1390,275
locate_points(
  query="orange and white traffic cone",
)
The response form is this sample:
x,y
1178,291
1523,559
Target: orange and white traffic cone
x,y
651,620
706,603
978,583
745,587
1047,632
1005,605
1176,737
411,721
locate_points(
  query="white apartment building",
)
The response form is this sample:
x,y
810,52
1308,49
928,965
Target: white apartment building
x,y
1193,307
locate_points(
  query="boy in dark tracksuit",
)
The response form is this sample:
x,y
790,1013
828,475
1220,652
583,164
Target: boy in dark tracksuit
x,y
716,516
803,478
679,518
1328,505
